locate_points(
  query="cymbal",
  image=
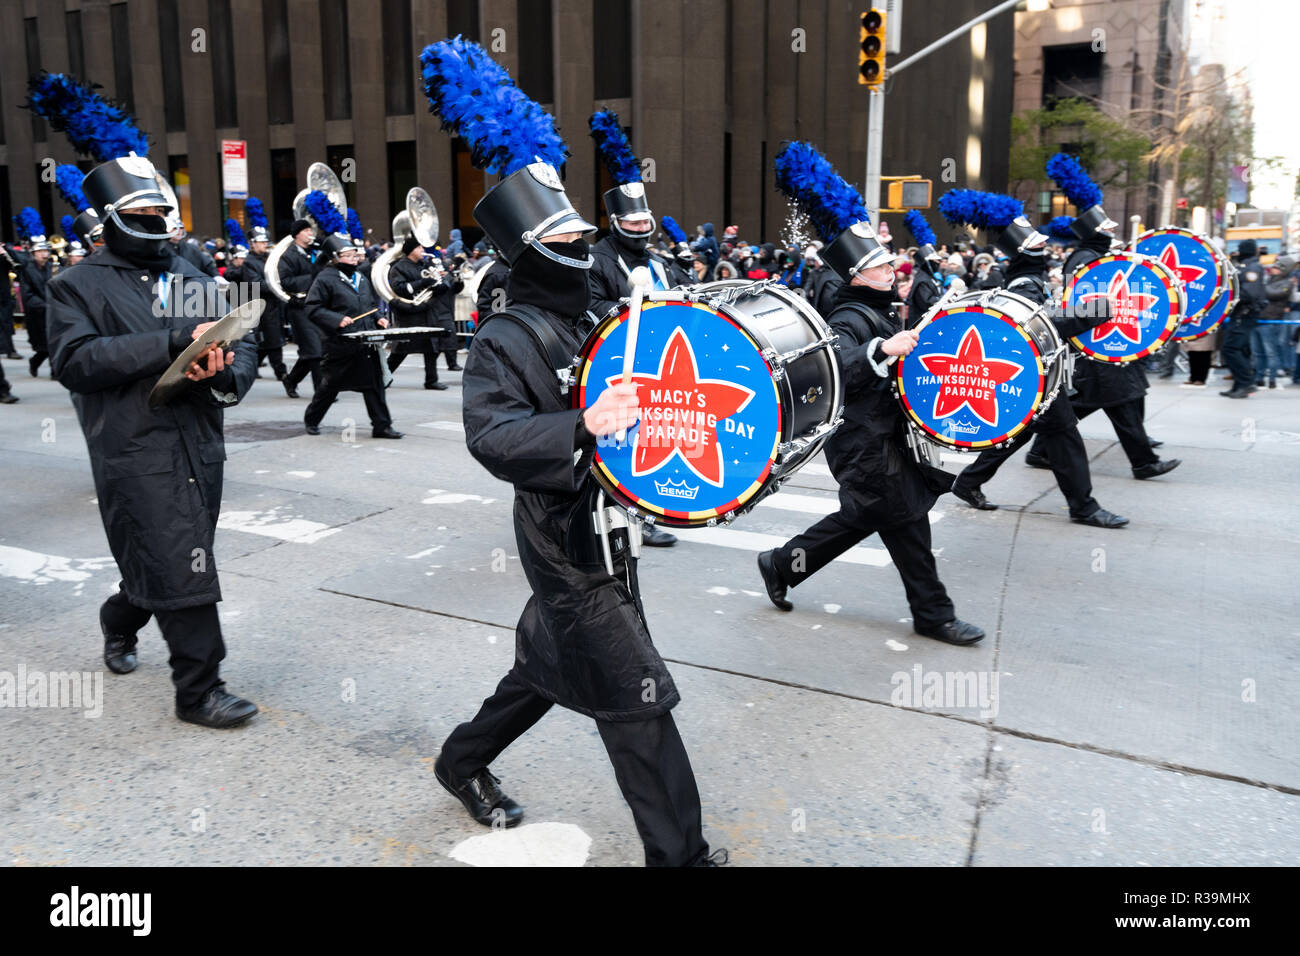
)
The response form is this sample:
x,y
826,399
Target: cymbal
x,y
237,323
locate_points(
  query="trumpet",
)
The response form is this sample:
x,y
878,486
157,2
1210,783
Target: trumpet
x,y
433,268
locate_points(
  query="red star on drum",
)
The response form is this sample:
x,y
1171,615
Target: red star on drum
x,y
969,379
680,414
1126,309
1185,273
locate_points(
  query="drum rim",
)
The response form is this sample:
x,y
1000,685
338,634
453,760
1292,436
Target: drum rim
x,y
900,390
604,328
1172,286
1227,295
1220,271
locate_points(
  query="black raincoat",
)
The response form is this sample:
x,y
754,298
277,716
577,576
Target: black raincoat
x,y
582,640
33,280
351,365
158,472
297,272
881,483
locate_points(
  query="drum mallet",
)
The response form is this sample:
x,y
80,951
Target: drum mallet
x,y
640,279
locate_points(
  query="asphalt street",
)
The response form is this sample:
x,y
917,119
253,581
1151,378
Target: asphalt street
x,y
1133,703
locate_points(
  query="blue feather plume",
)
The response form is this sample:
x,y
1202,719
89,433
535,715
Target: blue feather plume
x,y
1059,228
256,214
28,223
674,231
982,210
615,150
94,126
477,99
807,177
1074,182
324,213
67,179
235,233
67,223
919,228
354,226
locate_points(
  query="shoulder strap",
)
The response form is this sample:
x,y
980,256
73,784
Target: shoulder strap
x,y
530,318
866,312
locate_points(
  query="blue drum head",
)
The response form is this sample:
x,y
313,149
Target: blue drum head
x,y
1146,306
1193,261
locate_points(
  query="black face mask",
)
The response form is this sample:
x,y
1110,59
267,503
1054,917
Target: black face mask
x,y
347,268
152,254
635,247
537,280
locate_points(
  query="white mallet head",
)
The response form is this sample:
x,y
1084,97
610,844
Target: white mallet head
x,y
640,276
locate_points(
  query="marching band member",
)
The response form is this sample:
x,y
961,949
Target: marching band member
x,y
1026,275
883,489
925,291
631,224
270,331
298,268
338,302
582,641
33,277
158,474
407,275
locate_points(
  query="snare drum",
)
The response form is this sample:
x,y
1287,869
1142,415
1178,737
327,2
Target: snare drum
x,y
738,388
1146,304
985,366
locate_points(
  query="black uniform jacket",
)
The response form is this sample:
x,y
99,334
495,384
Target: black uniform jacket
x,y
925,292
439,311
582,640
487,301
33,280
609,282
254,271
881,483
350,365
297,272
157,472
1101,384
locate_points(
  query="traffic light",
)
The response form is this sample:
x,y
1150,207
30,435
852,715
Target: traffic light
x,y
908,193
871,48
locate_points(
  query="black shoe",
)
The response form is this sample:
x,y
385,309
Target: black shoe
x,y
655,538
280,373
13,355
772,581
34,367
954,632
1156,469
313,429
1153,443
1034,460
435,386
1272,384
290,390
119,650
218,709
481,797
718,857
1236,393
386,432
975,498
453,368
8,398
1101,518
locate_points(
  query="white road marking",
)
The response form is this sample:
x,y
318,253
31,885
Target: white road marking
x,y
537,844
813,505
426,552
301,474
832,608
439,497
443,426
894,645
39,568
270,525
756,541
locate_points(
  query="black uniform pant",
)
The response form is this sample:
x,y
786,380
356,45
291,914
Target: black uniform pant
x,y
35,322
649,758
1127,418
328,393
4,382
7,327
1065,453
426,349
301,369
1198,366
1236,353
193,635
909,547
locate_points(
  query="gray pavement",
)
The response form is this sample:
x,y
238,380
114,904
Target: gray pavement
x,y
1133,703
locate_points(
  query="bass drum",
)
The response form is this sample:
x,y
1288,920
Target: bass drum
x,y
1219,310
985,366
739,387
1146,304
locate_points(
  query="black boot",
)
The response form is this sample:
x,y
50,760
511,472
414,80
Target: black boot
x,y
776,588
481,796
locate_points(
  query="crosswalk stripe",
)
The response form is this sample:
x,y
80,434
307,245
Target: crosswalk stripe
x,y
757,541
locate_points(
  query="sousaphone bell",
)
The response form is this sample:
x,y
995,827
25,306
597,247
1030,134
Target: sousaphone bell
x,y
319,176
418,219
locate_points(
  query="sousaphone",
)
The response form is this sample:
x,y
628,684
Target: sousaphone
x,y
418,219
319,176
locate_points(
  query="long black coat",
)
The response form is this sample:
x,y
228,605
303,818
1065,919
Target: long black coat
x,y
33,280
608,281
297,272
347,363
270,331
582,640
1103,384
487,301
158,472
881,483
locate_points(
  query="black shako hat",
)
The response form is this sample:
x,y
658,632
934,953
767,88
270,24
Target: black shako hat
x,y
527,206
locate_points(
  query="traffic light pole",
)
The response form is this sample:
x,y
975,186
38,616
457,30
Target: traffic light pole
x,y
876,105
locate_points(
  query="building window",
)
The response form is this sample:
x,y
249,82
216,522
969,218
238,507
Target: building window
x,y
179,174
536,66
225,106
334,59
462,19
76,48
399,68
32,39
612,33
169,45
1073,70
121,30
343,160
284,186
279,78
467,186
402,175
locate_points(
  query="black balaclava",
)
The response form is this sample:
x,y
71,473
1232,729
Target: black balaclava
x,y
878,299
153,254
537,280
633,248
1025,264
347,268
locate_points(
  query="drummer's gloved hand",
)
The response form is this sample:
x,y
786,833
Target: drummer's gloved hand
x,y
182,336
